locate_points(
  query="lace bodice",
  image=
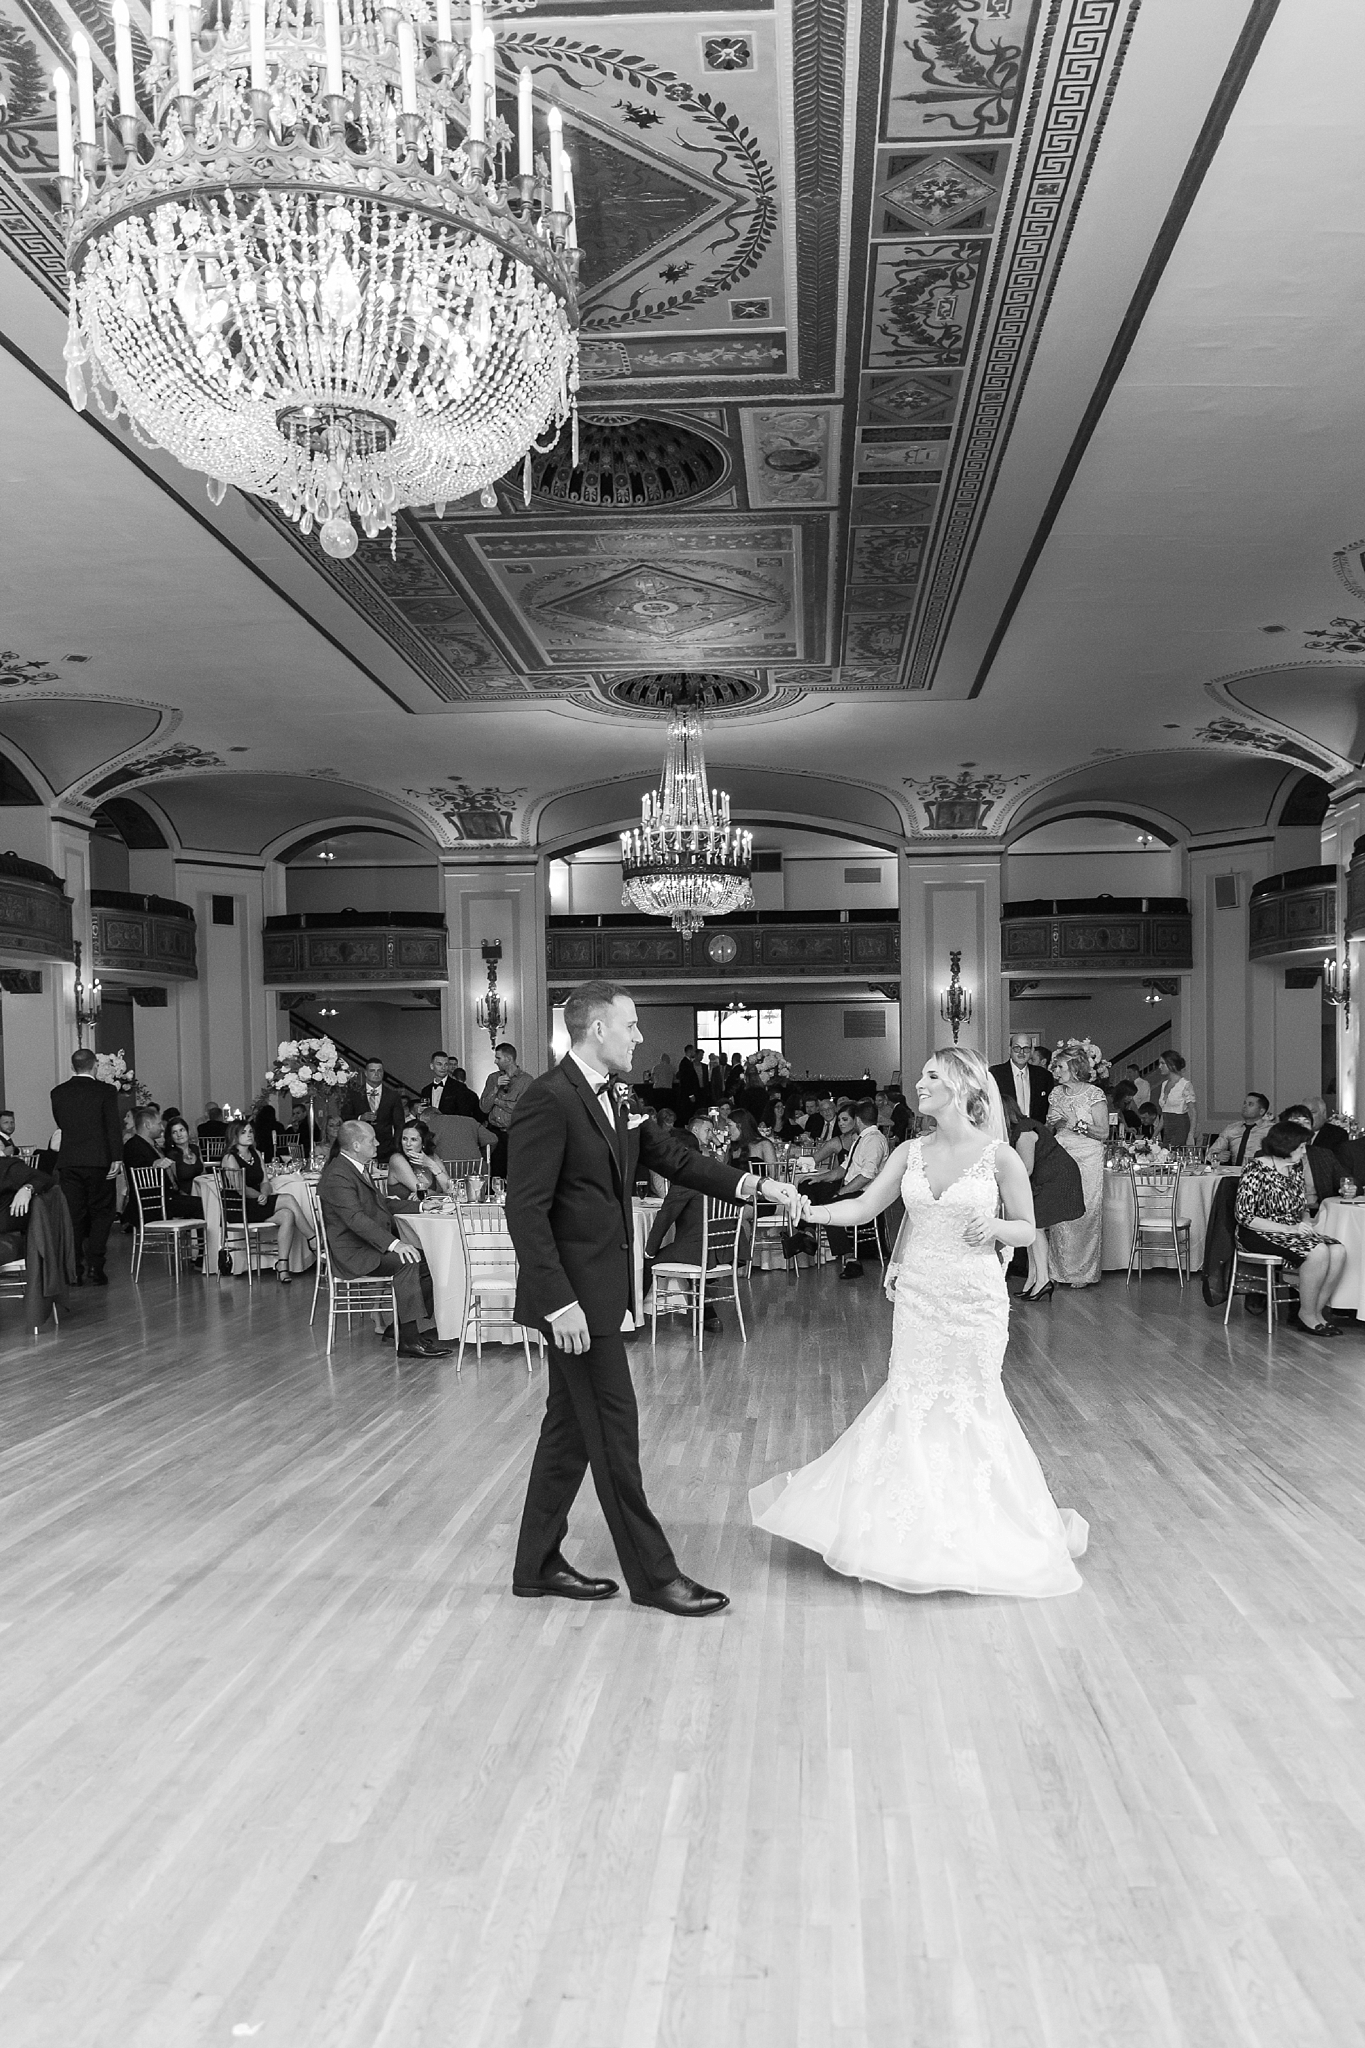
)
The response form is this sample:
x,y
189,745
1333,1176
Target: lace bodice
x,y
938,1224
952,1306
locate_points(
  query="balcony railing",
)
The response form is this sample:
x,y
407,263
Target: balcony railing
x,y
1097,935
1355,892
142,938
1293,913
355,949
759,946
35,913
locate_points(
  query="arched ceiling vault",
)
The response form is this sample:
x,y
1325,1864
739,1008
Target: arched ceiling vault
x,y
971,387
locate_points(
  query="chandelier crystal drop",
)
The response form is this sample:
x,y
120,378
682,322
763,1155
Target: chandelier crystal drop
x,y
301,263
684,860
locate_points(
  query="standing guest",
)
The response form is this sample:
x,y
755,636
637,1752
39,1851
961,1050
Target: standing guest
x,y
573,1163
502,1091
1141,1091
1126,1108
414,1169
687,1080
1241,1140
242,1163
1177,1101
86,1113
1078,1114
900,1115
1058,1192
460,1099
373,1100
446,1092
1323,1171
213,1125
662,1077
715,1078
361,1239
1272,1216
1021,1081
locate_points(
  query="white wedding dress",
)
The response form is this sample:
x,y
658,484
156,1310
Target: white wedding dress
x,y
934,1488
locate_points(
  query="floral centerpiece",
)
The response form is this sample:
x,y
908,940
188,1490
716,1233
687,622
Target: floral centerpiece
x,y
1088,1051
770,1068
308,1070
113,1067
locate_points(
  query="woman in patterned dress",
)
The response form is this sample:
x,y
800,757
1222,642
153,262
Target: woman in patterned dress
x,y
1272,1216
1078,1113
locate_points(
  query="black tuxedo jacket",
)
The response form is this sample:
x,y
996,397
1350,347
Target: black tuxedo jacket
x,y
1041,1086
86,1112
569,1187
687,1081
455,1099
387,1120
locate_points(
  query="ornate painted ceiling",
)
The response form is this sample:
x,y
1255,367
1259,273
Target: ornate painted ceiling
x,y
964,384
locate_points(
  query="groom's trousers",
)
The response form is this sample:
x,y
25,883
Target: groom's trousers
x,y
591,1419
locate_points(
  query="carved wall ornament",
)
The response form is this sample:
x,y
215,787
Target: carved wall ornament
x,y
961,803
472,813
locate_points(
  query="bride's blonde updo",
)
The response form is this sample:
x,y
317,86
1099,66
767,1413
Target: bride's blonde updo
x,y
968,1081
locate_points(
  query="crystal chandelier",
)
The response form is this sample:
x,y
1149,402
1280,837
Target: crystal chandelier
x,y
684,860
301,263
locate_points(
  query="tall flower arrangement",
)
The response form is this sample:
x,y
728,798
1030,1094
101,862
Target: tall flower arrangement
x,y
1088,1050
308,1070
113,1067
770,1068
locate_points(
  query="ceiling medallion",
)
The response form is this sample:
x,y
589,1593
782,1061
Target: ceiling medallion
x,y
660,689
306,266
684,860
630,462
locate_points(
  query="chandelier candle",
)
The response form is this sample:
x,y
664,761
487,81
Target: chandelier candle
x,y
684,860
295,267
66,146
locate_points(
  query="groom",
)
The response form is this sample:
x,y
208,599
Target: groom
x,y
572,1157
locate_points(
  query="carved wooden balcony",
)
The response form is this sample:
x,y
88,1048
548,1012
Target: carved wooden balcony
x,y
753,947
1355,892
1097,935
142,939
355,949
1292,914
35,913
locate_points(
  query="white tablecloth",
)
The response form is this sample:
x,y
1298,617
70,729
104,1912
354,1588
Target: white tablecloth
x,y
301,1253
1346,1220
1196,1199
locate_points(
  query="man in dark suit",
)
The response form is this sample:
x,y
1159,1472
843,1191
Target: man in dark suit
x,y
372,1100
1020,1080
361,1239
446,1090
86,1113
687,1080
1324,1170
573,1152
213,1125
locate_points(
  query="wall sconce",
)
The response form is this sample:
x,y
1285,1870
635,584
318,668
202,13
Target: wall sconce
x,y
1336,986
490,1012
1160,991
89,1001
955,1004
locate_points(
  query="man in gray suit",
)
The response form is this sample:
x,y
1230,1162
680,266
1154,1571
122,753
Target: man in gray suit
x,y
362,1240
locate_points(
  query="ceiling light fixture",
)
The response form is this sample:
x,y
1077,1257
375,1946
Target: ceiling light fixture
x,y
684,860
305,267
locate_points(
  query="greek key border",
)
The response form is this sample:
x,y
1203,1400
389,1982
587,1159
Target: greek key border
x,y
1056,179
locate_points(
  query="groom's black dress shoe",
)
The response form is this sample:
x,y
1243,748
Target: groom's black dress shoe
x,y
683,1596
561,1579
802,1240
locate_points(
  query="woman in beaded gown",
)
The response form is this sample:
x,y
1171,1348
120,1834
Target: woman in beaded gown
x,y
934,1488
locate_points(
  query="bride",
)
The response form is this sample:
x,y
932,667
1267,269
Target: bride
x,y
934,1487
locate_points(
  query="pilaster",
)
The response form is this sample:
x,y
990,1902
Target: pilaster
x,y
493,900
950,902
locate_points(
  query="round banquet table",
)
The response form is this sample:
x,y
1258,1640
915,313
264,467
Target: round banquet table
x,y
439,1237
1346,1220
1195,1200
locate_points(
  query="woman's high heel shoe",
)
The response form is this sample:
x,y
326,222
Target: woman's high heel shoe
x,y
1038,1293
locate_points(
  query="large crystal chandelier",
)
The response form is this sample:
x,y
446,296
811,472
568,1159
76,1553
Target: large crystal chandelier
x,y
684,860
301,262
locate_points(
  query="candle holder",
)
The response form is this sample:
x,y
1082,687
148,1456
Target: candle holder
x,y
260,111
336,112
388,25
411,125
89,155
447,56
187,110
127,128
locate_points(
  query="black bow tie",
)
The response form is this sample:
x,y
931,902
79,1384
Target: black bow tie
x,y
601,1087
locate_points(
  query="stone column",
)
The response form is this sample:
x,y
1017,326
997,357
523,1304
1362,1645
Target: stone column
x,y
950,902
495,899
40,1029
225,1025
1343,825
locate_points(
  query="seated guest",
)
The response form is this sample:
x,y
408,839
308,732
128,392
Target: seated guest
x,y
7,1125
242,1165
1272,1216
747,1142
183,1155
867,1155
1323,1170
1149,1119
146,1149
414,1168
676,1231
1125,1108
838,1130
1237,1142
19,1183
213,1125
35,1226
362,1240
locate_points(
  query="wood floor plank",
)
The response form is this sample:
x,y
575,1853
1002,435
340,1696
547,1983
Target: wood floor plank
x,y
279,1751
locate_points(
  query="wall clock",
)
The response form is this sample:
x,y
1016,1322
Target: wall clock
x,y
721,948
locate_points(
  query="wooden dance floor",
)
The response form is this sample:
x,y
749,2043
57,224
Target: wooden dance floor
x,y
281,1760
